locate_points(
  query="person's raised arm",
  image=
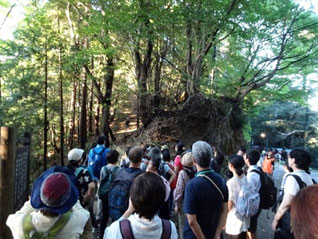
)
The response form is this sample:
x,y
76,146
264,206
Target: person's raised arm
x,y
130,210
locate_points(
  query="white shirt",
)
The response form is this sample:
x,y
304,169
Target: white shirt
x,y
291,185
235,223
253,178
72,230
141,228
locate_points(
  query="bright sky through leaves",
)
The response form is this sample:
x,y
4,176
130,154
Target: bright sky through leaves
x,y
17,14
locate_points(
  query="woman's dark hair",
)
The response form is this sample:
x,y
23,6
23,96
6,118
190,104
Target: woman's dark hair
x,y
112,156
155,163
219,157
166,155
147,194
180,148
302,159
237,162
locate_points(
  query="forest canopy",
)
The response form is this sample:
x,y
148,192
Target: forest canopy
x,y
74,67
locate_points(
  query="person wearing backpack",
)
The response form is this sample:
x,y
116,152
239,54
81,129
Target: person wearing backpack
x,y
185,175
153,167
125,162
299,160
85,184
97,160
237,222
53,210
205,197
254,179
97,156
119,192
141,220
164,169
107,176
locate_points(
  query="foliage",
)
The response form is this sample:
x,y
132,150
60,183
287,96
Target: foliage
x,y
243,54
286,124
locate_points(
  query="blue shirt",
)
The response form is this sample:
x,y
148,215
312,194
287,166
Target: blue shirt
x,y
97,150
204,200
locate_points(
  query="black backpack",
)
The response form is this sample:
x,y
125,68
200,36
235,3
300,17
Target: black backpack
x,y
268,191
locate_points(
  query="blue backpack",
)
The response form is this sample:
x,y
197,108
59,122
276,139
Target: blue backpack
x,y
118,197
95,162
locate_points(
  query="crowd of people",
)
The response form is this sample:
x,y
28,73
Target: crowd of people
x,y
137,197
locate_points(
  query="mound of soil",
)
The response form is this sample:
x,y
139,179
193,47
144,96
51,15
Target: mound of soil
x,y
199,119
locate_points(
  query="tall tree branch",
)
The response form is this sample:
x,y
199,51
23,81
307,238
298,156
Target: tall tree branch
x,y
95,82
7,15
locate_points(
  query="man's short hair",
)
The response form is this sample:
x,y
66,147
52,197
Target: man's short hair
x,y
112,156
147,194
302,158
253,156
202,153
135,154
101,139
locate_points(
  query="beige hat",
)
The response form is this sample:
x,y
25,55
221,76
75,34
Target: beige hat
x,y
163,147
186,159
75,154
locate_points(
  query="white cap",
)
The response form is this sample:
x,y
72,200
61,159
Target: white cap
x,y
75,154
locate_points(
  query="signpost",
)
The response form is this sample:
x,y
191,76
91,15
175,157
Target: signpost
x,y
7,177
14,175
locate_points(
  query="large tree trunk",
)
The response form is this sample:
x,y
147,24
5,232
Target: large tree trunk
x,y
61,103
142,70
91,112
157,78
73,110
0,89
104,99
83,116
97,117
46,123
107,99
78,118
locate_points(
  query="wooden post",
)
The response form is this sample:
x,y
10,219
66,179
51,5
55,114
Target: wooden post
x,y
7,177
